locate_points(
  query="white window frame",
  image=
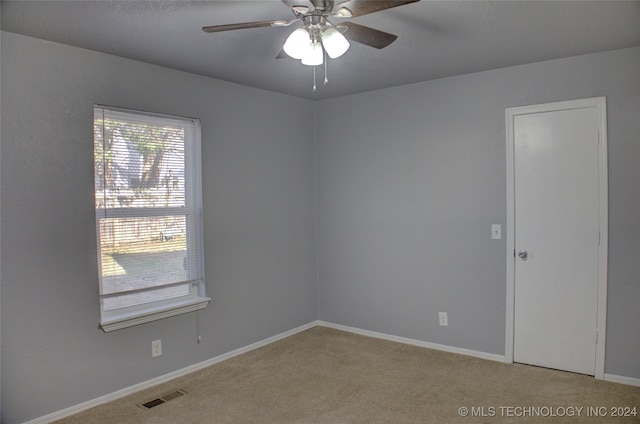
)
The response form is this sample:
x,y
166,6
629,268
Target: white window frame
x,y
111,320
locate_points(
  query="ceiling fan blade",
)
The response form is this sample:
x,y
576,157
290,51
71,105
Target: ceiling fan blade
x,y
365,35
282,55
243,25
364,7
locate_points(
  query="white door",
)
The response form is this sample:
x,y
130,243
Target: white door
x,y
556,237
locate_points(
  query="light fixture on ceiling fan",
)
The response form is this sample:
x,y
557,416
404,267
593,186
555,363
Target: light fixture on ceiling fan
x,y
318,38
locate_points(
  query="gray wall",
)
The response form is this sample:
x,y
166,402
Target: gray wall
x,y
411,178
259,223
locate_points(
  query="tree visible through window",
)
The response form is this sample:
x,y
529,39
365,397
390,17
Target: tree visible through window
x,y
148,215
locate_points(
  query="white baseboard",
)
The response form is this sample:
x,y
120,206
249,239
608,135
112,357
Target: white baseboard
x,y
167,377
630,381
622,380
196,367
414,342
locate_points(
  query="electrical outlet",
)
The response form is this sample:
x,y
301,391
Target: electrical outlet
x,y
444,320
156,348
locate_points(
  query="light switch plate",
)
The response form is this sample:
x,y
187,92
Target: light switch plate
x,y
496,231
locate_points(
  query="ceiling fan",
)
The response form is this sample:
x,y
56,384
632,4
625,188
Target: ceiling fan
x,y
318,37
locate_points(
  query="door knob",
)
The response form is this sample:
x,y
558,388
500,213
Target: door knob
x,y
522,254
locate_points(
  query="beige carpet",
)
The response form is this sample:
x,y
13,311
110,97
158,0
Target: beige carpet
x,y
324,375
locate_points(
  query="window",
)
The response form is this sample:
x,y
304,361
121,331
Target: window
x,y
148,216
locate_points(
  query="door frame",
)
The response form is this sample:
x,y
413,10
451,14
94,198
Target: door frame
x,y
601,106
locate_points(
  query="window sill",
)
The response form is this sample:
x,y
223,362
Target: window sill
x,y
117,322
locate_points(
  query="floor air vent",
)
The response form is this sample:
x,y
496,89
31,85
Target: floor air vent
x,y
162,399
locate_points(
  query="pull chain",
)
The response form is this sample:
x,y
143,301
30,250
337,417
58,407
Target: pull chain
x,y
326,80
314,79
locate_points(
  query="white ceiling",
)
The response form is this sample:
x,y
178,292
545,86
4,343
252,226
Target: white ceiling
x,y
435,38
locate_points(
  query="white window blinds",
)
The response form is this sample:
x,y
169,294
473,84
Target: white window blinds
x,y
148,216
